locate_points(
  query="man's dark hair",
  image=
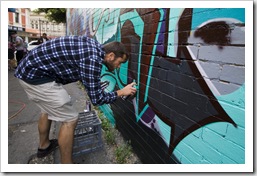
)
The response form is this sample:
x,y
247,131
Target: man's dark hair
x,y
12,33
117,48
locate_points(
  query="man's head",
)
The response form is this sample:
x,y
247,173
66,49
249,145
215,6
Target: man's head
x,y
116,54
14,34
44,35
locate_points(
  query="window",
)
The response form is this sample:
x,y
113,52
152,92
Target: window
x,y
16,17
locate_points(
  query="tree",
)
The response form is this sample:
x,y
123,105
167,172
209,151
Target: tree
x,y
53,14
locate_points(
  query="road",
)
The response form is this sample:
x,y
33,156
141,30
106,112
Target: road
x,y
22,127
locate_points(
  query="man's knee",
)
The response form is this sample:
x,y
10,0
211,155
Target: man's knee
x,y
71,123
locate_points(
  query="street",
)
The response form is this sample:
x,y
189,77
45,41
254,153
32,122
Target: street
x,y
22,126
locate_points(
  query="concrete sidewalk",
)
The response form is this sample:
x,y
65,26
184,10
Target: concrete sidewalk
x,y
23,133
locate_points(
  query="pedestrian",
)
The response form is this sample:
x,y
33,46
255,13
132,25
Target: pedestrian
x,y
61,61
25,48
10,50
11,59
42,39
19,47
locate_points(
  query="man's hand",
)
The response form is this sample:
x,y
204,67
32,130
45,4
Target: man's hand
x,y
128,90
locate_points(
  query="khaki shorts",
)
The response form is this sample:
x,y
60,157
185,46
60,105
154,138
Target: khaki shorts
x,y
52,99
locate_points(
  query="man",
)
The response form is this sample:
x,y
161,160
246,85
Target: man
x,y
11,60
61,61
19,46
42,39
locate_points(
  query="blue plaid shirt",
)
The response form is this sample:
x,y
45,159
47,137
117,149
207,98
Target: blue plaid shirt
x,y
65,60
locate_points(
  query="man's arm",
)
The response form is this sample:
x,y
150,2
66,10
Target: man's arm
x,y
127,90
90,71
91,79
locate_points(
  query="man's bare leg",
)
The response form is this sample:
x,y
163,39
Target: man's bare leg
x,y
65,140
44,125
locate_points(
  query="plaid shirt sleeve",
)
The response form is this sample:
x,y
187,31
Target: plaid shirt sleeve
x,y
91,72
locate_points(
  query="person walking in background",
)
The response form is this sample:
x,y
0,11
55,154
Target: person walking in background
x,y
11,59
61,61
25,50
19,46
42,39
11,50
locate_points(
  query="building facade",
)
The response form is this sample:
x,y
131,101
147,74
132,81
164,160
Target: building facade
x,y
19,21
52,29
30,26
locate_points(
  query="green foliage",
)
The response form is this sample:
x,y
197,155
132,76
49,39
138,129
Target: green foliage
x,y
122,153
57,15
110,137
107,127
105,123
80,85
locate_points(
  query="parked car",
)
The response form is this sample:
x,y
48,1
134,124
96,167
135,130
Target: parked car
x,y
32,44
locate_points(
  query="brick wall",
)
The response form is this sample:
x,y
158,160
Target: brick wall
x,y
189,65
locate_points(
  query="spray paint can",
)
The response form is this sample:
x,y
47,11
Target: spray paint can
x,y
88,106
126,97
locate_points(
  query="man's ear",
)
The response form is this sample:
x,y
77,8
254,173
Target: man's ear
x,y
111,56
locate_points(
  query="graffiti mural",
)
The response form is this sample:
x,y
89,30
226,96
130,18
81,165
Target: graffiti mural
x,y
189,67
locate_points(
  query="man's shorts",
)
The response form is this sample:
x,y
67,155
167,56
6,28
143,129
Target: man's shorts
x,y
52,99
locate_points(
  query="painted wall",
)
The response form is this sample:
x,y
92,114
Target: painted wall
x,y
189,66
